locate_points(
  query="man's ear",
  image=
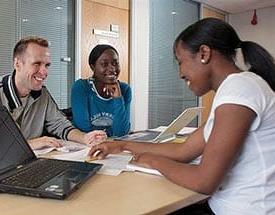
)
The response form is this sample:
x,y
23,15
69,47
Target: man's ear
x,y
16,63
205,54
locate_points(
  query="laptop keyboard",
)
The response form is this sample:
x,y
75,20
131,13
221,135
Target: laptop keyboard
x,y
36,174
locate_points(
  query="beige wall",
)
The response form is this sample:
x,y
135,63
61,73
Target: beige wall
x,y
100,15
262,33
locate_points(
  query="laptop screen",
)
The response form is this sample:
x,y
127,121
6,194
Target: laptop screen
x,y
13,152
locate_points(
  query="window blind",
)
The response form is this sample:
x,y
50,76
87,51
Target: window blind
x,y
7,34
52,20
168,94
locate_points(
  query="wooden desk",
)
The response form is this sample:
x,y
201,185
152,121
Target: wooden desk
x,y
129,193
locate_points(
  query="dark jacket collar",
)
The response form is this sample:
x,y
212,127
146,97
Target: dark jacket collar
x,y
11,93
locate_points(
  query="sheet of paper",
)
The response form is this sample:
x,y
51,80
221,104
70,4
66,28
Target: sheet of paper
x,y
184,131
43,151
68,146
133,167
80,155
114,164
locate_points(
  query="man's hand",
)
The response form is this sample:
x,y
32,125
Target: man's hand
x,y
40,142
94,137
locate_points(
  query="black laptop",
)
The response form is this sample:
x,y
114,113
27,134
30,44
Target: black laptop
x,y
21,172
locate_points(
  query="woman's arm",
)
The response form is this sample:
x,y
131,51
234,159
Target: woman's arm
x,y
121,120
80,106
184,152
231,126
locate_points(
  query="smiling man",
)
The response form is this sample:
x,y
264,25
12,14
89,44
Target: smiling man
x,y
30,103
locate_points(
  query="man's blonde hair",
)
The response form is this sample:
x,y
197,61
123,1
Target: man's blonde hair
x,y
22,44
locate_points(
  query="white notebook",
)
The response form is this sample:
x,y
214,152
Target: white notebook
x,y
169,133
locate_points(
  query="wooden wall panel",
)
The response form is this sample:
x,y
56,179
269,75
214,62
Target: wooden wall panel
x,y
100,16
122,4
208,12
207,99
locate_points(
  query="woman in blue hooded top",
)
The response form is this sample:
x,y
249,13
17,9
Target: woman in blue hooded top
x,y
102,102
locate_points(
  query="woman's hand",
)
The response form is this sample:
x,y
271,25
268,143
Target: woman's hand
x,y
112,90
144,159
41,142
102,150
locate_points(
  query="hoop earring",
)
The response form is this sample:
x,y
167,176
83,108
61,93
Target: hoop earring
x,y
203,61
